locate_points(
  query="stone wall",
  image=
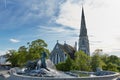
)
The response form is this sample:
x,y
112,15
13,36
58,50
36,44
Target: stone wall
x,y
21,77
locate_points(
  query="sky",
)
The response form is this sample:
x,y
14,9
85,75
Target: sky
x,y
23,21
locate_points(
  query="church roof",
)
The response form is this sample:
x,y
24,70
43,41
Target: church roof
x,y
67,49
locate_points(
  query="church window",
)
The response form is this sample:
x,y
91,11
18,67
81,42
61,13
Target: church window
x,y
54,59
57,57
65,56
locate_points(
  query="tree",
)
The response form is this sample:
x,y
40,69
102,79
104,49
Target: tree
x,y
12,57
104,59
65,66
112,67
82,61
61,66
114,59
98,51
68,63
22,55
35,49
96,62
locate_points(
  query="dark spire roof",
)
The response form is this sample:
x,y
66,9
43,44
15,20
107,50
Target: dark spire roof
x,y
83,30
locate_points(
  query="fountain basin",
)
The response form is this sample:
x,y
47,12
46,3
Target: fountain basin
x,y
23,77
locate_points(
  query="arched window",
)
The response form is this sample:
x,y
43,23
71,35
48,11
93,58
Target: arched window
x,y
57,58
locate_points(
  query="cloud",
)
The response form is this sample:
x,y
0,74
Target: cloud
x,y
43,8
61,33
14,40
68,15
28,12
2,52
96,41
70,11
117,53
117,38
51,29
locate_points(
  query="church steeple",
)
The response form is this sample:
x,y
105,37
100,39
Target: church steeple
x,y
83,30
83,38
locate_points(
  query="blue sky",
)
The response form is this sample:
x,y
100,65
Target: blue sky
x,y
23,21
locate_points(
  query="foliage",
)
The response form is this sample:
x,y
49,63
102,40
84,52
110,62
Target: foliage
x,y
61,66
65,66
114,59
24,54
112,67
106,62
96,62
82,61
36,48
13,57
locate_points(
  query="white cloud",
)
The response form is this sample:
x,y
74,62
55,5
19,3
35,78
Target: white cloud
x,y
69,15
57,31
43,8
14,40
52,29
2,52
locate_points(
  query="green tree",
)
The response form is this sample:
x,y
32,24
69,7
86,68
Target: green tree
x,y
22,55
112,67
96,62
61,66
35,49
114,59
104,59
82,61
65,66
12,57
68,64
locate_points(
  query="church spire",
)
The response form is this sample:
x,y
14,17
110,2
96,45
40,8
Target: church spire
x,y
83,38
83,30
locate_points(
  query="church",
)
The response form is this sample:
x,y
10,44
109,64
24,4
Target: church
x,y
60,51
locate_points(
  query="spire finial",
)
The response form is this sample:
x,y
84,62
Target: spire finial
x,y
64,42
57,41
82,2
